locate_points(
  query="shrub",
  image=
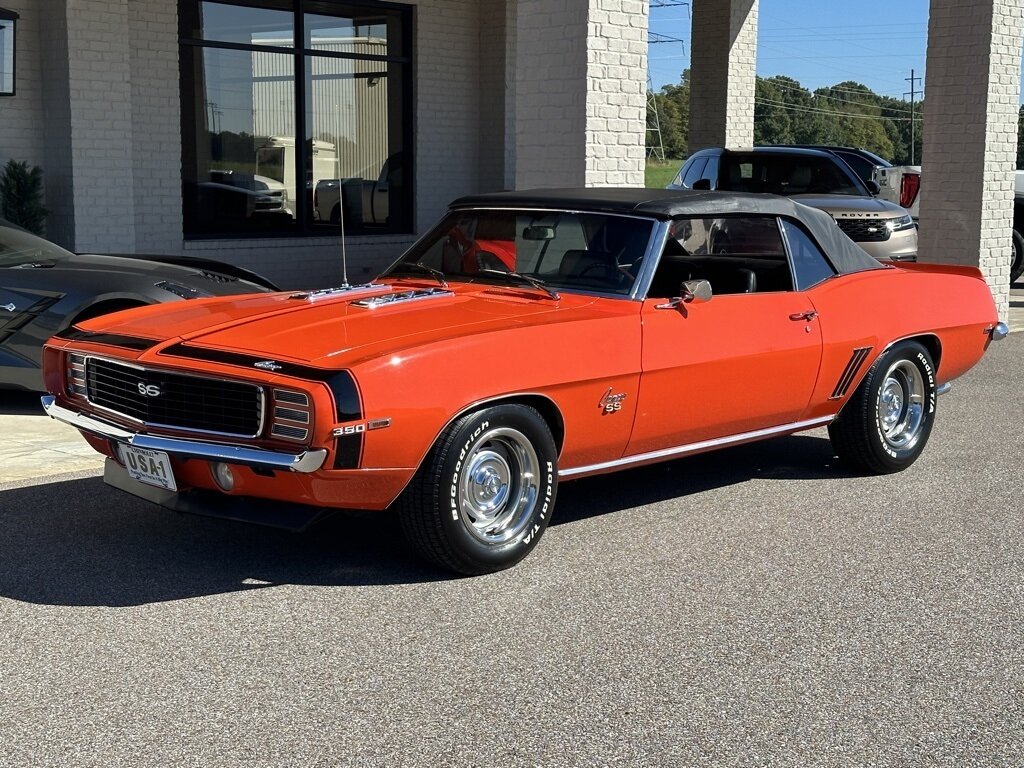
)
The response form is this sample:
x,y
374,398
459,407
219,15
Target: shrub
x,y
21,196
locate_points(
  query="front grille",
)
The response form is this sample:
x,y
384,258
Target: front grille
x,y
864,230
159,398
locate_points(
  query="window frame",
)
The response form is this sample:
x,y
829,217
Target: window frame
x,y
304,227
789,254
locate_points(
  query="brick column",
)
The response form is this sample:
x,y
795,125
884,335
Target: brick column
x,y
99,72
970,137
723,63
578,79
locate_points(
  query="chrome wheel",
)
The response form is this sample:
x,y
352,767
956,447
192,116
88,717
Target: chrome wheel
x,y
901,405
498,489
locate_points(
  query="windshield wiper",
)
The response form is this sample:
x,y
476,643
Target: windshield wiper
x,y
538,284
437,274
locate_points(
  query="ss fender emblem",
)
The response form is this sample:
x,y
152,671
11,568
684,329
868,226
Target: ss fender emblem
x,y
149,390
610,403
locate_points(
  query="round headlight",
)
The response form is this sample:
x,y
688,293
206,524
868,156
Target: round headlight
x,y
223,476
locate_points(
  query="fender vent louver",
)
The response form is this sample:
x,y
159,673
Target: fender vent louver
x,y
850,372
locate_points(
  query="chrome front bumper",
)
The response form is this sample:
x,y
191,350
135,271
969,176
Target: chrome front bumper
x,y
307,461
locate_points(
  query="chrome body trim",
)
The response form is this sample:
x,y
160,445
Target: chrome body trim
x,y
943,388
655,248
401,297
682,450
305,462
341,290
894,342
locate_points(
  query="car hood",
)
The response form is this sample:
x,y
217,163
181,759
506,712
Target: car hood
x,y
334,331
78,268
843,205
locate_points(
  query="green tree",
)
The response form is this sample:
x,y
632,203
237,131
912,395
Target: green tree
x,y
21,196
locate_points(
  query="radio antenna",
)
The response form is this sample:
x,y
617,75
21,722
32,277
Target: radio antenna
x,y
341,218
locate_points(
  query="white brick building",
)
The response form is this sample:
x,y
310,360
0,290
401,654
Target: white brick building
x,y
149,118
143,117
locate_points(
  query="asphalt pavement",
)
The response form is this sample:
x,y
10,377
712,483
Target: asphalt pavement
x,y
761,606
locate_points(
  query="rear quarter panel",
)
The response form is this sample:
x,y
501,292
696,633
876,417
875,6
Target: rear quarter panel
x,y
877,308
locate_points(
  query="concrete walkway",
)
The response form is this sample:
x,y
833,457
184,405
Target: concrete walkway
x,y
35,447
1016,321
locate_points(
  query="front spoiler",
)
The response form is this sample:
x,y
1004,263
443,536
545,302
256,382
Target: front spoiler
x,y
305,462
276,514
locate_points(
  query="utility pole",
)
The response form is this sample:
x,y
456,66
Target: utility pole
x,y
913,118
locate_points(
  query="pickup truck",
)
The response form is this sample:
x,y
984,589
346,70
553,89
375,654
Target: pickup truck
x,y
900,184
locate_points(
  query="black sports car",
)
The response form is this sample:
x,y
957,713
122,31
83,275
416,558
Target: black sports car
x,y
45,289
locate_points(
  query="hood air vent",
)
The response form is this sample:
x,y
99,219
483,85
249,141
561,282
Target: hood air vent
x,y
373,302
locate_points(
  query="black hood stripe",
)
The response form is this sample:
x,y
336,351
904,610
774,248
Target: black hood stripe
x,y
136,343
248,361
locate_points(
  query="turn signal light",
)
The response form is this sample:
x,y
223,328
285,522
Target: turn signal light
x,y
291,420
76,375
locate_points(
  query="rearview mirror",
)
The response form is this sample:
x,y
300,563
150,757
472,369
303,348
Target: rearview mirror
x,y
539,233
704,184
873,187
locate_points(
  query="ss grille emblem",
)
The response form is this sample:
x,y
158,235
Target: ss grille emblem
x,y
149,390
268,365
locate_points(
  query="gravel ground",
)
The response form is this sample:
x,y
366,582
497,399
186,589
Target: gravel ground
x,y
755,607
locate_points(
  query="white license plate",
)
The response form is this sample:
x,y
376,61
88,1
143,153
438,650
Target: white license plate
x,y
150,467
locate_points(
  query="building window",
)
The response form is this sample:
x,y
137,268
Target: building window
x,y
296,117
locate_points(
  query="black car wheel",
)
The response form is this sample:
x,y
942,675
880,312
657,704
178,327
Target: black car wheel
x,y
485,493
886,424
1017,266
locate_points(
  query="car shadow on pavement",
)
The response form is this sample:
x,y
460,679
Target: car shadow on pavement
x,y
799,457
19,403
81,543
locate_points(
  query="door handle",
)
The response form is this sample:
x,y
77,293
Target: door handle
x,y
8,307
804,316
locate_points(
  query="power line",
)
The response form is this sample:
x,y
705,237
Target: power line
x,y
657,37
833,112
816,94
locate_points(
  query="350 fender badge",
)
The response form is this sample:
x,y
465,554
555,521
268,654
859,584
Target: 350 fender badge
x,y
268,365
360,427
610,403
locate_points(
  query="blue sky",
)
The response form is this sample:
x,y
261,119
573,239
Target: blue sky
x,y
817,42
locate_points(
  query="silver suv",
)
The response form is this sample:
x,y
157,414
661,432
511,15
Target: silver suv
x,y
812,177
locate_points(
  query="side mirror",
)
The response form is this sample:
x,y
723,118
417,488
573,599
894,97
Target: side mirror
x,y
873,187
691,292
704,184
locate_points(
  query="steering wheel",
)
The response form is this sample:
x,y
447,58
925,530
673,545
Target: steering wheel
x,y
618,273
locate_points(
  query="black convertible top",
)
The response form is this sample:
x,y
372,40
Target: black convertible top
x,y
845,255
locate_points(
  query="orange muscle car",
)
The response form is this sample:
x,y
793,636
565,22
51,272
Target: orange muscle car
x,y
528,339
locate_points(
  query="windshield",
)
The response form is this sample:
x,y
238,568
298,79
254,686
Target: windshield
x,y
787,174
270,163
19,247
591,252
